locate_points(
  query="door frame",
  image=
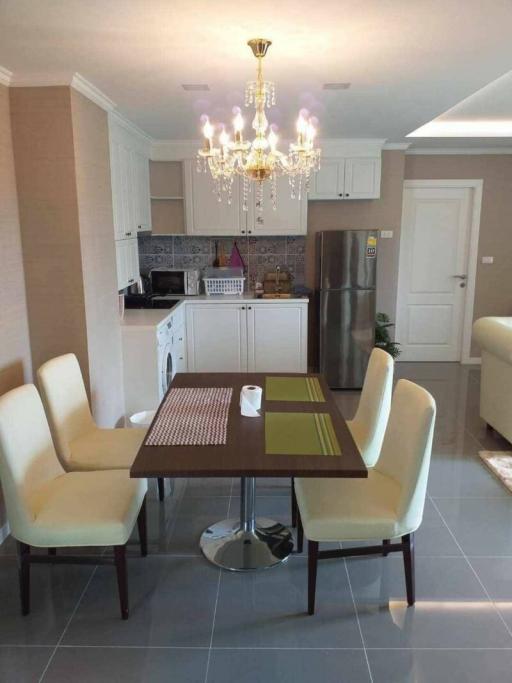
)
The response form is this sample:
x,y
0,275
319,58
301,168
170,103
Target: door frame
x,y
476,186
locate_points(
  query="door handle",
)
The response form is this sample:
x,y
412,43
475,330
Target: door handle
x,y
460,277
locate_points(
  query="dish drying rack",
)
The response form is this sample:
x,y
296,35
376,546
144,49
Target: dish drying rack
x,y
224,281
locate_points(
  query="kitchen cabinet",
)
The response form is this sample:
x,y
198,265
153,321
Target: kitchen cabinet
x,y
127,261
129,168
277,337
346,178
249,336
204,214
290,216
216,337
179,350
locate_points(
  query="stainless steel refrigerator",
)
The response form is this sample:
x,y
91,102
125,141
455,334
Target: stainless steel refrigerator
x,y
346,281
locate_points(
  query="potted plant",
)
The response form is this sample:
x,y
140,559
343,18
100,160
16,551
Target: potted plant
x,y
382,338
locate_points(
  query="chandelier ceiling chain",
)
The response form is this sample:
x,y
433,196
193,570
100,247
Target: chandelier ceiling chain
x,y
259,160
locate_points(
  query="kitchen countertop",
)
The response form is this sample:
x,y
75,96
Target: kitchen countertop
x,y
152,317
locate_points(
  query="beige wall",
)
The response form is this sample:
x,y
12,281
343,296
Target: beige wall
x,y
62,168
493,293
45,172
15,362
370,214
92,168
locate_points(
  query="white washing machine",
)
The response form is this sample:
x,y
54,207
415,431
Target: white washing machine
x,y
153,351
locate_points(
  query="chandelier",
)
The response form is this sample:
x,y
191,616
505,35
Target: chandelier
x,y
260,160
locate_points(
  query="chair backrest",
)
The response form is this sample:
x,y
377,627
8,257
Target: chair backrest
x,y
407,448
65,401
372,413
27,456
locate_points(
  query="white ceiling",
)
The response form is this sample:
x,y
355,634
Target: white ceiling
x,y
408,60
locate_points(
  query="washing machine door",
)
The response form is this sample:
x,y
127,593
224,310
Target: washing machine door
x,y
167,369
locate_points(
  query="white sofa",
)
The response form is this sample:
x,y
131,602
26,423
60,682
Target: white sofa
x,y
494,336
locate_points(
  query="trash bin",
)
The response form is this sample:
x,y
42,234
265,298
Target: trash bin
x,y
142,419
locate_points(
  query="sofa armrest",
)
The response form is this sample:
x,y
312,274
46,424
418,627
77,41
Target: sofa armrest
x,y
494,335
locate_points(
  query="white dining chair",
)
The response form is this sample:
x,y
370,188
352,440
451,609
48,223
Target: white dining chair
x,y
48,507
81,445
387,505
369,424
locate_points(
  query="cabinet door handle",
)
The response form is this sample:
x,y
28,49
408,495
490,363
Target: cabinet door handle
x,y
243,308
250,232
347,195
130,280
243,232
139,227
128,234
249,308
340,194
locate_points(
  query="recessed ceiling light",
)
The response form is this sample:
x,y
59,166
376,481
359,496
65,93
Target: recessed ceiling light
x,y
195,86
336,86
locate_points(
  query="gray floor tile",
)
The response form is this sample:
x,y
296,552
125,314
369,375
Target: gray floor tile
x,y
193,516
171,604
23,664
496,575
208,486
268,609
270,486
55,591
451,608
440,666
481,526
273,507
127,665
288,666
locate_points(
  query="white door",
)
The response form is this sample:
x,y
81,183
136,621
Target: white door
x,y
216,337
288,218
362,178
205,214
329,181
277,337
433,272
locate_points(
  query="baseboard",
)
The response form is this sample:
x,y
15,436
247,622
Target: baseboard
x,y
4,532
472,360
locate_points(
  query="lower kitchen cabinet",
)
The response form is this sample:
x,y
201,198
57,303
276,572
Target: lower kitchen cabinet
x,y
216,337
247,336
277,337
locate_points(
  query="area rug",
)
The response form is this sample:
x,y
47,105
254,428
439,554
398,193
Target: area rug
x,y
500,464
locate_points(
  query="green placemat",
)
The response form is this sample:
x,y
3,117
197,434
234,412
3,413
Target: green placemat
x,y
300,434
293,389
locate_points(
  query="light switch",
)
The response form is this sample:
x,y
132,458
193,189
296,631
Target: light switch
x,y
386,234
487,259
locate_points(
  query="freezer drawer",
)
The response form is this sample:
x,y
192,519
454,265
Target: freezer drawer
x,y
347,336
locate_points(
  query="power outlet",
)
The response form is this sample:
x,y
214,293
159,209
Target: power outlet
x,y
487,259
386,234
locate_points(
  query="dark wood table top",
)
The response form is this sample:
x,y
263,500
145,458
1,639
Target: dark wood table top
x,y
244,455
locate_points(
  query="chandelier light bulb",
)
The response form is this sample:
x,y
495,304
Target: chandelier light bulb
x,y
224,138
272,140
208,134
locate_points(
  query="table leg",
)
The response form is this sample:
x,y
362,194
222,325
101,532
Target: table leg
x,y
248,543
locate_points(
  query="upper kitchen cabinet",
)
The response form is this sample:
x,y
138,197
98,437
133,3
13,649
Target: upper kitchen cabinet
x,y
127,262
129,166
167,199
204,214
347,178
290,217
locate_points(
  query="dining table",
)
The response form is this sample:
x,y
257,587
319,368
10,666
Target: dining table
x,y
279,442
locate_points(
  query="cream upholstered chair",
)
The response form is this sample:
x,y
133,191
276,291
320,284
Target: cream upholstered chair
x,y
369,424
50,508
388,504
371,418
80,444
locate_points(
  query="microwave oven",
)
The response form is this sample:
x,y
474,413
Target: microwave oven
x,y
175,281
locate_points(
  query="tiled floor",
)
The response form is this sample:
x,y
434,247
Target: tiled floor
x,y
192,623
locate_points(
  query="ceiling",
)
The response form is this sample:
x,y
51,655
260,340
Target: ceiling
x,y
408,61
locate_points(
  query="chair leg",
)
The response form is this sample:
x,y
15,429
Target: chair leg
x,y
143,529
312,566
161,489
408,540
300,533
294,506
122,582
24,576
385,542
